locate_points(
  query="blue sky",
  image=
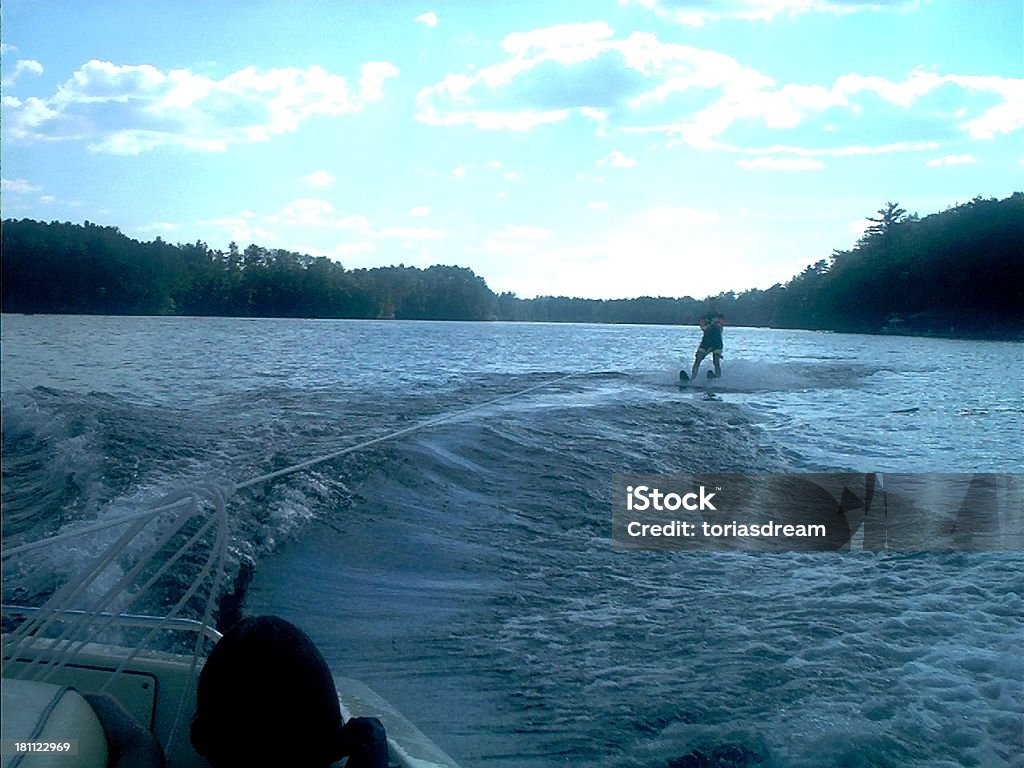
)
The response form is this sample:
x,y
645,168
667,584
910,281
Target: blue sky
x,y
601,149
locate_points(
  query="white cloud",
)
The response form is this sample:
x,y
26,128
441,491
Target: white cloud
x,y
241,229
598,205
319,179
616,159
134,142
524,120
307,211
640,84
371,83
24,65
752,97
850,150
314,213
564,42
25,115
781,164
902,94
696,13
453,100
582,69
429,19
128,109
18,186
420,211
939,162
1005,117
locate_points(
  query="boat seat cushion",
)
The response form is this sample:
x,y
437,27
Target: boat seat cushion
x,y
41,712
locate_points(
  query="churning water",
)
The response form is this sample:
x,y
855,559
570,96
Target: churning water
x,y
465,570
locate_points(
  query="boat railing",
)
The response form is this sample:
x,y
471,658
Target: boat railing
x,y
128,620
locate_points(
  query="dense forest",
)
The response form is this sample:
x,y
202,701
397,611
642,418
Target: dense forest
x,y
89,269
958,272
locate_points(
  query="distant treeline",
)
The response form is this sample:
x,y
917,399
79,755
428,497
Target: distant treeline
x,y
959,272
88,269
956,272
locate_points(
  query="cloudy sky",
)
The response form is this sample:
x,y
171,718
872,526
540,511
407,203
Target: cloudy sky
x,y
601,148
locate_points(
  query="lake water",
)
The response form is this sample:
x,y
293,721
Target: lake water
x,y
465,571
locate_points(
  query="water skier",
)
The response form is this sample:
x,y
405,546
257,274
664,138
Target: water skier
x,y
710,343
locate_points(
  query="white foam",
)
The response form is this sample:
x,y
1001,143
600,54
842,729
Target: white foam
x,y
742,376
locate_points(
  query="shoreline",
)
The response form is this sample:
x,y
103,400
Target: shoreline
x,y
1010,335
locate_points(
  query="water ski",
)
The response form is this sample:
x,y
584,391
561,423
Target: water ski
x,y
684,377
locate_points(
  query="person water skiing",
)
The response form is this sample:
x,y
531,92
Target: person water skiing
x,y
710,343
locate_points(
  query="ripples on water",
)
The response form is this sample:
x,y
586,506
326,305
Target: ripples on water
x,y
465,570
